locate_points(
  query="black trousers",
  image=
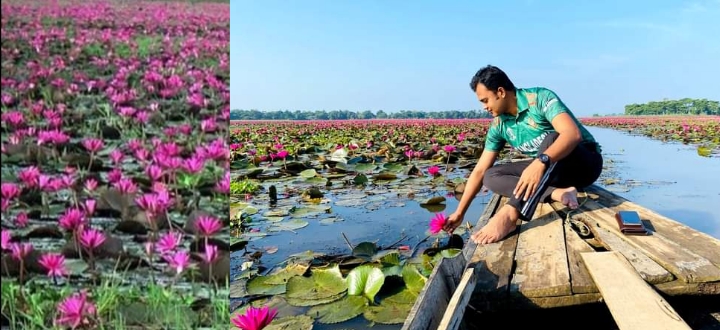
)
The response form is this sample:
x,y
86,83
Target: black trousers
x,y
579,169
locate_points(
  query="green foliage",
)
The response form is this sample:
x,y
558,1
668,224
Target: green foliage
x,y
243,187
684,106
345,114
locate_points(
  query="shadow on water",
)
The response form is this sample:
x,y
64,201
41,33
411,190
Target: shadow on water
x,y
668,178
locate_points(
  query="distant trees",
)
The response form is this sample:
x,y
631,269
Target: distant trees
x,y
684,106
345,114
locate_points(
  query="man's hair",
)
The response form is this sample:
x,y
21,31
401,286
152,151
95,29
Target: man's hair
x,y
493,78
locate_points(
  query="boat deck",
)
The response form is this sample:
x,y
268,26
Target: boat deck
x,y
540,264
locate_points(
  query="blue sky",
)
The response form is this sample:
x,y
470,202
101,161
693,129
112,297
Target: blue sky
x,y
393,55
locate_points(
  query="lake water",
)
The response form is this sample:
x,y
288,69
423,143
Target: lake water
x,y
668,178
675,181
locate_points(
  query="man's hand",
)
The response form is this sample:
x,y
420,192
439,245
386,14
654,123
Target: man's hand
x,y
453,221
529,180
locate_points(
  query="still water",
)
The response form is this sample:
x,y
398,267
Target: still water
x,y
673,179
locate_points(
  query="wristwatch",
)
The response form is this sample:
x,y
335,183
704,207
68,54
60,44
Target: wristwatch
x,y
545,159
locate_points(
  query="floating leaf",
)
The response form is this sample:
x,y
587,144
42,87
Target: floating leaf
x,y
339,311
388,313
291,225
296,322
304,302
308,173
384,176
365,280
450,253
323,283
432,200
262,285
360,179
365,250
365,167
414,281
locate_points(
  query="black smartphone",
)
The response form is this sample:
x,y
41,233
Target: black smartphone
x,y
630,218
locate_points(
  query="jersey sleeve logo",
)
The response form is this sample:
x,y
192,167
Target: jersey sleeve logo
x,y
532,99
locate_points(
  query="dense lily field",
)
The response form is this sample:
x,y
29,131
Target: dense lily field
x,y
115,174
289,176
701,131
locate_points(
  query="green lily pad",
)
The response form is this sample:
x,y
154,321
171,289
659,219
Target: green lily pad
x,y
308,173
414,281
435,200
393,167
252,236
296,322
388,313
365,280
291,225
450,253
309,210
365,167
274,219
323,283
365,250
304,302
339,311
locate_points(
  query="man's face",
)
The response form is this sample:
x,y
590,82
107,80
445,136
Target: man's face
x,y
494,102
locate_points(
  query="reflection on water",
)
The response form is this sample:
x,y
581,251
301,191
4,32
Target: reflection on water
x,y
670,178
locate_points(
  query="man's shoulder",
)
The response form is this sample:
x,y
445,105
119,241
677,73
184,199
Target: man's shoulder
x,y
496,122
538,92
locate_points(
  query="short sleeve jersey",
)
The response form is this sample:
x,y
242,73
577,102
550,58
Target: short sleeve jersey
x,y
537,107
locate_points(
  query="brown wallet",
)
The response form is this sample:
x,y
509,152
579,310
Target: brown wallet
x,y
630,223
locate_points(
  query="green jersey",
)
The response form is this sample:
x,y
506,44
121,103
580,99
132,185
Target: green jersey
x,y
537,107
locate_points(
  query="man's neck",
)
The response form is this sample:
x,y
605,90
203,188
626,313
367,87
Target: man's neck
x,y
513,111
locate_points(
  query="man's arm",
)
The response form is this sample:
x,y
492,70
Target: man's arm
x,y
569,137
558,114
475,181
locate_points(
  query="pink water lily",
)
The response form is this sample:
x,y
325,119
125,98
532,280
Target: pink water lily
x,y
255,318
433,170
437,223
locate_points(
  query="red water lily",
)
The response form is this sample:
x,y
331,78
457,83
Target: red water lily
x,y
254,318
437,223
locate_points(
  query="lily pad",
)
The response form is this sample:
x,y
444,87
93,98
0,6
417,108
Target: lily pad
x,y
388,313
323,283
297,322
365,280
339,311
365,250
414,281
308,173
435,200
290,225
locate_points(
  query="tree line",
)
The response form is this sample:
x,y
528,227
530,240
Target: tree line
x,y
346,114
684,106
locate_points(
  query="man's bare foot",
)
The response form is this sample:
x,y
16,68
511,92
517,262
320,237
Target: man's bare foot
x,y
499,226
567,196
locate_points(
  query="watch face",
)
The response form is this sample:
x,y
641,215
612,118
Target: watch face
x,y
544,158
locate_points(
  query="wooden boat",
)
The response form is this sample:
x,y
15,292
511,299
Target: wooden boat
x,y
542,264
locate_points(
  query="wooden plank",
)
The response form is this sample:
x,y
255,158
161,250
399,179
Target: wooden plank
x,y
432,301
649,270
580,280
700,243
494,265
458,303
632,302
554,302
495,202
677,287
541,257
681,262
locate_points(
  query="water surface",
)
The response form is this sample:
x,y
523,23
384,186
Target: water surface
x,y
673,179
